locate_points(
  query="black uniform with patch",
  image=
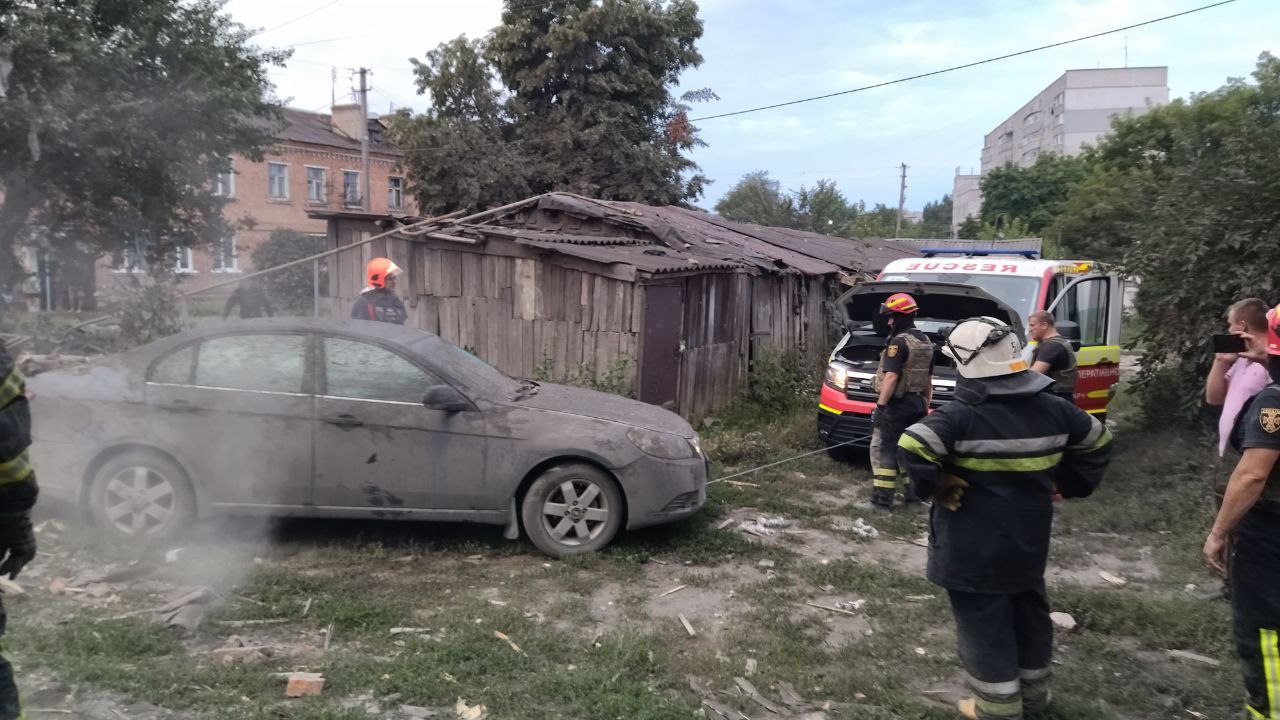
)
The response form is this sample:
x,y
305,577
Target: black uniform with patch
x,y
381,305
1255,565
18,493
895,416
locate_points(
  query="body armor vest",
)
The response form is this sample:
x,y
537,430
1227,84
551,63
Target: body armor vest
x,y
1064,380
917,375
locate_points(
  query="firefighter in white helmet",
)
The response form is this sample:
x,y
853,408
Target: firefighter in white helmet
x,y
992,462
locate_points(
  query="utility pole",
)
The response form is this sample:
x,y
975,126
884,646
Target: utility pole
x,y
364,141
902,201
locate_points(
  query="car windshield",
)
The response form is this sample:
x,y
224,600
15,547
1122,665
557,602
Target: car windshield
x,y
1019,293
476,373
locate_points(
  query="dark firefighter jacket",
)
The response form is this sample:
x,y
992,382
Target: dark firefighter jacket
x,y
17,479
1012,443
381,305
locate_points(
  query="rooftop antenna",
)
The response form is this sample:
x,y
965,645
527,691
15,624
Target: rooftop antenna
x,y
1126,51
333,86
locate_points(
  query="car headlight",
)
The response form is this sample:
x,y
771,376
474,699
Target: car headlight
x,y
696,443
837,376
661,445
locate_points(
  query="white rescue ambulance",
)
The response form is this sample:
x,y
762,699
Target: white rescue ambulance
x,y
951,285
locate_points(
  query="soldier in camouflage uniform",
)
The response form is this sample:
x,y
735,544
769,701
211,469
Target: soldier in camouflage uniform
x,y
17,496
904,382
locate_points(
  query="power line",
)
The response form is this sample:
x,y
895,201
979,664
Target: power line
x,y
331,3
904,79
349,37
961,67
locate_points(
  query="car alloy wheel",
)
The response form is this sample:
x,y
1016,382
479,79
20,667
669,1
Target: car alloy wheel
x,y
575,512
140,501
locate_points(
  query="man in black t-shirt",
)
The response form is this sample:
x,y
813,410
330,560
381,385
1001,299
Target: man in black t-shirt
x,y
1053,355
1250,517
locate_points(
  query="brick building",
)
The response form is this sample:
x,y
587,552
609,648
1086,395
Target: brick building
x,y
314,165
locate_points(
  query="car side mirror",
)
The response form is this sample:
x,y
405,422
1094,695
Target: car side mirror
x,y
444,398
1070,331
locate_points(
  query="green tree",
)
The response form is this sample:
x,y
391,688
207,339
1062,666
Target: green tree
x,y
571,95
466,127
116,117
757,199
1034,193
291,289
824,209
1185,197
969,229
936,222
880,221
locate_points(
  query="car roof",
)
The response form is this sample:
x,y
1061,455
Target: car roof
x,y
385,332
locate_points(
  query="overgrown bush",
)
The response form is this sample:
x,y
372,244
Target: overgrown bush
x,y
778,379
616,379
291,290
151,310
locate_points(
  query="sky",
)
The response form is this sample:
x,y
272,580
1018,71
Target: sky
x,y
758,52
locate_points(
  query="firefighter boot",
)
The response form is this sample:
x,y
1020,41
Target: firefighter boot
x,y
1035,693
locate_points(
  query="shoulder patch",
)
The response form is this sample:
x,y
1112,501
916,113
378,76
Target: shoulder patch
x,y
1269,417
893,350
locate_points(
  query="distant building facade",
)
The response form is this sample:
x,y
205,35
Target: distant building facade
x,y
1073,111
313,165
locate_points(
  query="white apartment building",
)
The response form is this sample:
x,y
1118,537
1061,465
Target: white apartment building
x,y
1075,110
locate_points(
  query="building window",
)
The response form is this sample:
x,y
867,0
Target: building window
x,y
1031,118
183,261
224,183
130,258
1057,100
277,181
1030,155
1057,139
351,187
1060,118
315,184
395,193
224,256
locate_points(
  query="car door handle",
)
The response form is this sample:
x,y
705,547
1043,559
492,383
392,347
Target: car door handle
x,y
345,420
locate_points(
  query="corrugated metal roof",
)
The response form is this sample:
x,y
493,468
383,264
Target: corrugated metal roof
x,y
317,129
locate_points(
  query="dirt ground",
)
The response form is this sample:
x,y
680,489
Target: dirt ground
x,y
787,597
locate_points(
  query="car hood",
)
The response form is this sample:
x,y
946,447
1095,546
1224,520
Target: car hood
x,y
937,301
602,406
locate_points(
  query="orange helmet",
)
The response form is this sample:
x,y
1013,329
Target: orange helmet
x,y
379,270
900,303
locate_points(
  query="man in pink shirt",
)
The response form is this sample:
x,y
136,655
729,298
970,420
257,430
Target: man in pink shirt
x,y
1233,380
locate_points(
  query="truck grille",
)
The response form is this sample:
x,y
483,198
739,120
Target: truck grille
x,y
859,386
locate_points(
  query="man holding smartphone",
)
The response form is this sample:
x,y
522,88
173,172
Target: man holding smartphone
x,y
1233,379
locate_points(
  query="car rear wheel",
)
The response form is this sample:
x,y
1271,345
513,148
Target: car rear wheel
x,y
572,509
141,495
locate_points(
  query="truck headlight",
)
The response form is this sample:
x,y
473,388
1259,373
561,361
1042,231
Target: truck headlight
x,y
662,445
837,376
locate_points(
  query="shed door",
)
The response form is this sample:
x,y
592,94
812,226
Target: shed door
x,y
660,343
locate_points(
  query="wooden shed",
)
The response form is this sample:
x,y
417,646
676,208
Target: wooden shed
x,y
674,303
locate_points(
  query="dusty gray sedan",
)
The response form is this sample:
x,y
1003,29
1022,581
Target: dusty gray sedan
x,y
354,419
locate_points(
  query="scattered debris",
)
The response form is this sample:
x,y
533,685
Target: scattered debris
x,y
1113,579
235,651
750,691
9,587
449,678
857,526
751,527
751,667
739,483
410,631
1063,621
854,605
687,627
776,521
405,559
789,696
503,637
418,713
766,563
828,608
921,651
469,712
1192,657
303,684
52,525
328,637
306,608
673,591
920,598
173,555
187,608
253,623
1197,715
725,523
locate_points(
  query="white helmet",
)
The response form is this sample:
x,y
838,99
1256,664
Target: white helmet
x,y
984,347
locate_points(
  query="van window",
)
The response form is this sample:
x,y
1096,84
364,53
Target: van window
x,y
1086,306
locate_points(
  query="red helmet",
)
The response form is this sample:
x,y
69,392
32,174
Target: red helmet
x,y
379,270
900,303
1273,331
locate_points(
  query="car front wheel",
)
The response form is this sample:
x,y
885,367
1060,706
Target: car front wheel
x,y
572,509
141,495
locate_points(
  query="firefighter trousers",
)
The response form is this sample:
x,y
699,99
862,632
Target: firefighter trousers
x,y
10,706
898,415
1006,645
1255,606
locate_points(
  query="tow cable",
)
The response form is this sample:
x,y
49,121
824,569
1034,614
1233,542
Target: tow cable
x,y
860,438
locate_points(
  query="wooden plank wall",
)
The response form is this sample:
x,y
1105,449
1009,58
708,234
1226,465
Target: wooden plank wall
x,y
525,316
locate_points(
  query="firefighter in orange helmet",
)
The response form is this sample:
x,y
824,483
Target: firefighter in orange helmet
x,y
904,387
379,301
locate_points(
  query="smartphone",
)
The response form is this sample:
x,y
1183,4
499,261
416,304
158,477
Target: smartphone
x,y
1226,344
